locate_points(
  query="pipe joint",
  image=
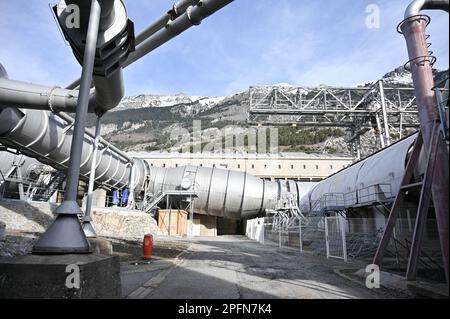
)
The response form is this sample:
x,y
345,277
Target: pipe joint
x,y
417,6
194,14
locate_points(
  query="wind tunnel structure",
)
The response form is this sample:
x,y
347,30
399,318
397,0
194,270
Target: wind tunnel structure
x,y
30,125
47,137
10,162
224,193
374,179
22,166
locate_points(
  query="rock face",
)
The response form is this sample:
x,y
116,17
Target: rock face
x,y
35,217
26,217
123,224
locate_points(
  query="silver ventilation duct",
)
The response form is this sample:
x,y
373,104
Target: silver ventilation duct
x,y
220,192
46,137
376,177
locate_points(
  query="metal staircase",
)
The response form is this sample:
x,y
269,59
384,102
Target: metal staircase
x,y
159,197
43,191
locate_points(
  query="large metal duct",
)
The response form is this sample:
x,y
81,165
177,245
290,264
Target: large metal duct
x,y
382,172
220,192
9,163
46,137
16,166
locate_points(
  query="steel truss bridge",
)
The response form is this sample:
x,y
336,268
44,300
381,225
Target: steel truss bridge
x,y
385,109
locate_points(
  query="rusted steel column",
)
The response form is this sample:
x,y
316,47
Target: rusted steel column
x,y
413,29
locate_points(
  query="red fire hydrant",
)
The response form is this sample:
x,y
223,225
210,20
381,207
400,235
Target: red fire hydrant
x,y
148,246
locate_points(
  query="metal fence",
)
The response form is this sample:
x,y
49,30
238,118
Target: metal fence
x,y
349,239
335,231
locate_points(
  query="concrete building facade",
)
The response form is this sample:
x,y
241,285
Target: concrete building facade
x,y
295,166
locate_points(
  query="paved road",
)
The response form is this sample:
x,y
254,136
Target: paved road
x,y
233,267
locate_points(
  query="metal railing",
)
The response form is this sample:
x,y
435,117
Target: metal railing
x,y
377,193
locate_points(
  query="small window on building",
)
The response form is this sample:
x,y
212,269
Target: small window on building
x,y
304,166
239,165
279,166
176,165
331,166
317,166
292,166
253,165
201,165
164,165
214,165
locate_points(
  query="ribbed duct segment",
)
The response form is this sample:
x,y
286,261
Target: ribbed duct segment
x,y
46,137
377,176
220,192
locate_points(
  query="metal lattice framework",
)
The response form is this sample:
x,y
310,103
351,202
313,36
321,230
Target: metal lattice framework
x,y
386,109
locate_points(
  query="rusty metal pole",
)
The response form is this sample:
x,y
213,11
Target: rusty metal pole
x,y
413,29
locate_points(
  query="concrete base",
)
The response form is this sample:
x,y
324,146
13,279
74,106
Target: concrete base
x,y
74,276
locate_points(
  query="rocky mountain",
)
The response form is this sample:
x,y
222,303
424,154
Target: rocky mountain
x,y
165,122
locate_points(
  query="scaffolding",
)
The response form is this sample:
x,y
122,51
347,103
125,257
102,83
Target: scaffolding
x,y
386,110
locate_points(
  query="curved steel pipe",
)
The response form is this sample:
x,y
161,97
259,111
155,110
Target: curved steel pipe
x,y
418,5
107,94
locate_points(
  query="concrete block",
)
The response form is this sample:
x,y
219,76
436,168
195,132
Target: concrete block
x,y
81,276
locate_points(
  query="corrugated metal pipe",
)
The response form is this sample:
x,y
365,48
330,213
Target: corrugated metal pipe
x,y
46,137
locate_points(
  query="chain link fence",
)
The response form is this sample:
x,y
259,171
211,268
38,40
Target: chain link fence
x,y
351,239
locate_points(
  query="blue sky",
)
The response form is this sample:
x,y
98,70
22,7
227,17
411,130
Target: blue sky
x,y
249,42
